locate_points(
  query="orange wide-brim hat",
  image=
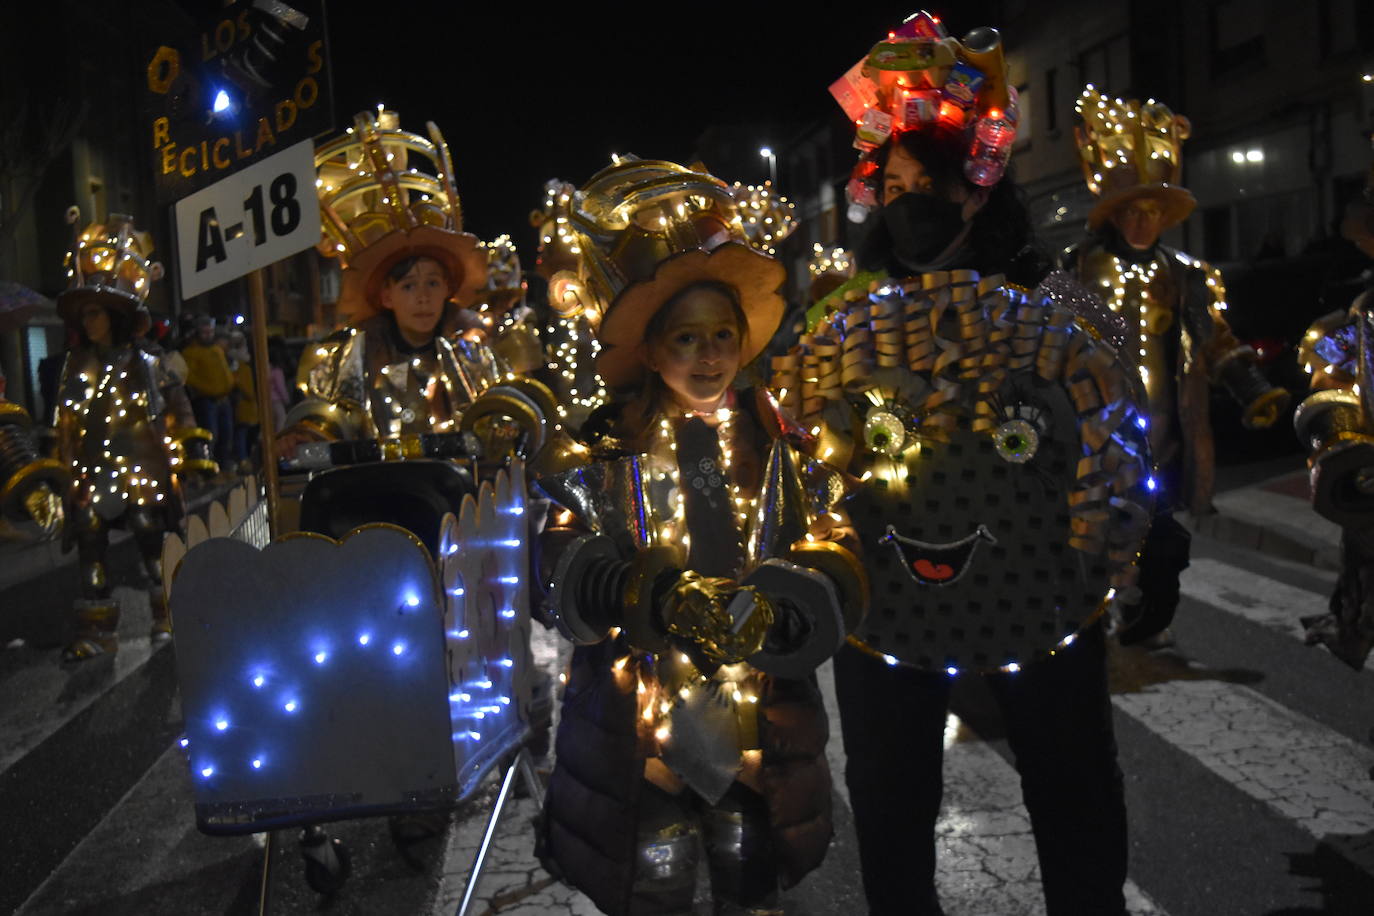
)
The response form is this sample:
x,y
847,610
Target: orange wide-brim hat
x,y
360,296
753,275
1176,203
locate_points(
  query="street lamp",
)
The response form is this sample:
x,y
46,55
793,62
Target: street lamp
x,y
767,153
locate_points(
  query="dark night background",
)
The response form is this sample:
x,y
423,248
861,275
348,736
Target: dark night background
x,y
540,92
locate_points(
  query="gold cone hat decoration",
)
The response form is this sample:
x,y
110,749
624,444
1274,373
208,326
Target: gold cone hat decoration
x,y
387,195
108,263
1131,150
636,233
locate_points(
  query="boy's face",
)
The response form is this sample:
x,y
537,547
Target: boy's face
x,y
417,299
95,321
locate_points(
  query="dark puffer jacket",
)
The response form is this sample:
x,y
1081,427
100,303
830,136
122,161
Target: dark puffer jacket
x,y
587,830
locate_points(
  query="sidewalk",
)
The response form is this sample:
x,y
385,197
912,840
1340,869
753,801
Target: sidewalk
x,y
1273,516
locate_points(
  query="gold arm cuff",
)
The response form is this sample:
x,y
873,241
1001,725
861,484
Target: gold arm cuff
x,y
45,470
844,569
192,432
204,465
319,426
14,414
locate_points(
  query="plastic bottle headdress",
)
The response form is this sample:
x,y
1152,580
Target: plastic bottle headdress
x,y
919,78
387,195
1131,150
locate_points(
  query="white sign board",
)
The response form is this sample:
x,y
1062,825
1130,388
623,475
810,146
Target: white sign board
x,y
250,219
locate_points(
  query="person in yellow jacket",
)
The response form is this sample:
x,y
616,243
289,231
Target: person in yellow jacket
x,y
209,382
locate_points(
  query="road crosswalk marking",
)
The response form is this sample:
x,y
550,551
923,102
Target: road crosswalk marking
x,y
1301,769
1271,604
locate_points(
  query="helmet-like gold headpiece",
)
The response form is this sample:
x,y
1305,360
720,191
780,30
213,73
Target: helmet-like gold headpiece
x,y
639,231
108,263
1131,150
379,207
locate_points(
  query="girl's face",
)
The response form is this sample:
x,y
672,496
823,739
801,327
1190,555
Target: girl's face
x,y
417,300
698,351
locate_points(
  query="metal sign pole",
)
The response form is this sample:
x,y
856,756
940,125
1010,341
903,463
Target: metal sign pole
x,y
262,382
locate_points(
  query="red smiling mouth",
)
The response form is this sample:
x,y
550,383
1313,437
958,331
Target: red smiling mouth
x,y
937,564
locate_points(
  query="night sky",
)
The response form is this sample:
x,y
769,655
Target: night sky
x,y
527,94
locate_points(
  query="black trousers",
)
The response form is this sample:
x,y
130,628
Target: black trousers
x,y
1059,725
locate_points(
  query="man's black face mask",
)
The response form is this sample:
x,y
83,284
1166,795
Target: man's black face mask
x,y
911,232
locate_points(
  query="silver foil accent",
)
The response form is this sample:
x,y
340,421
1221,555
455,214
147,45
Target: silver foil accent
x,y
610,498
1067,292
705,746
784,507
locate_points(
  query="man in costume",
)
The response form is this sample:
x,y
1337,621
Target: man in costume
x,y
1177,337
119,429
1336,426
1005,482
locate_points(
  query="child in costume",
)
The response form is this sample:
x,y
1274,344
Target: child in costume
x,y
1005,480
399,368
700,564
119,429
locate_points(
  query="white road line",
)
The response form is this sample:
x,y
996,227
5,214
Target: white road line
x,y
1271,604
37,702
985,848
1299,768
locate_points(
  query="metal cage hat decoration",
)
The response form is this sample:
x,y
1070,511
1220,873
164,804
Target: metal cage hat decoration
x,y
640,231
378,209
1131,150
108,264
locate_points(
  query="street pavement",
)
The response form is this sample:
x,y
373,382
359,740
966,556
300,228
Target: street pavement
x,y
1247,757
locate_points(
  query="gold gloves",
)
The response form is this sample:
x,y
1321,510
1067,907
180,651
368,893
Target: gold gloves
x,y
45,508
703,610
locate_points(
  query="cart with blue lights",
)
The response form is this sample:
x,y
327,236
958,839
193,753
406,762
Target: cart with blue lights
x,y
362,668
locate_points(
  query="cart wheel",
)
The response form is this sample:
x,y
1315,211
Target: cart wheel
x,y
327,863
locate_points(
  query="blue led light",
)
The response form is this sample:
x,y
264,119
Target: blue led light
x,y
398,648
951,671
479,715
364,638
456,592
515,510
257,763
508,613
207,772
258,680
890,659
1150,484
320,657
457,634
475,736
510,580
506,663
221,101
509,542
412,600
505,701
1142,422
185,742
290,706
221,724
459,697
452,549
485,685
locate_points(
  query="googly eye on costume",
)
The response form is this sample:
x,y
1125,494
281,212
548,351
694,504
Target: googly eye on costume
x,y
884,432
1017,441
